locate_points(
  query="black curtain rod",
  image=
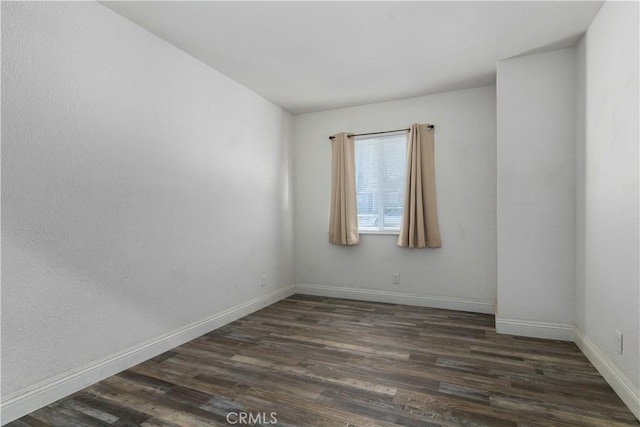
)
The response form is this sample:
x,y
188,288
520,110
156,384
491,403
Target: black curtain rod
x,y
378,133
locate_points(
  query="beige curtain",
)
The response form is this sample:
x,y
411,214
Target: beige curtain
x,y
419,228
343,219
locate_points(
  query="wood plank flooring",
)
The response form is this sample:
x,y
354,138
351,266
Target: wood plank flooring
x,y
330,362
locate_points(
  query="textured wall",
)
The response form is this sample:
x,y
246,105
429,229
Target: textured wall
x,y
608,276
536,187
465,143
141,190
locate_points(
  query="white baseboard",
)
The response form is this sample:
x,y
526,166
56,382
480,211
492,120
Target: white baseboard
x,y
629,394
25,401
526,328
475,306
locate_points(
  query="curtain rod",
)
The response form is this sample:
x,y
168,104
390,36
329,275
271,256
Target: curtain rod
x,y
378,133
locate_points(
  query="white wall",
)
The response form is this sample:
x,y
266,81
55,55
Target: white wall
x,y
462,273
608,277
536,194
141,190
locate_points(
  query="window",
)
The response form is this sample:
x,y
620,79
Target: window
x,y
380,176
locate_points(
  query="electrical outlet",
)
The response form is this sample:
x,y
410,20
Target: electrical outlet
x,y
619,346
396,278
263,280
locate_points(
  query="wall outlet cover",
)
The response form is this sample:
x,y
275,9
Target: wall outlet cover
x,y
619,342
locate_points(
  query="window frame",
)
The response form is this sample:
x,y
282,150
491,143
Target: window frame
x,y
380,188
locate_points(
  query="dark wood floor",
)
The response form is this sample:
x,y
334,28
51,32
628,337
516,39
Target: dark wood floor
x,y
330,362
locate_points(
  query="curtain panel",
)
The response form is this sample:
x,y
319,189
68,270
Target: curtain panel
x,y
343,217
419,226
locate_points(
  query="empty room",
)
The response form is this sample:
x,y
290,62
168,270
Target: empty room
x,y
420,213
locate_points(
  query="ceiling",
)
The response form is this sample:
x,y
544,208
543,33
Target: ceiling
x,y
311,56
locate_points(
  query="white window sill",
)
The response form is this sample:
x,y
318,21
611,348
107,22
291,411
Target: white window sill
x,y
390,232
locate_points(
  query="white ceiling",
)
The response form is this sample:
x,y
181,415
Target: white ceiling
x,y
311,56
